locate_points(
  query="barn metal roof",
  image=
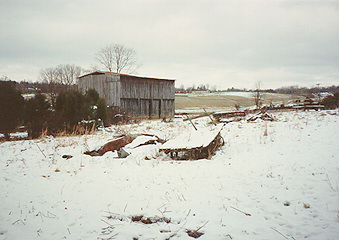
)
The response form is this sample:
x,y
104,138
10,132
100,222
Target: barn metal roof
x,y
127,75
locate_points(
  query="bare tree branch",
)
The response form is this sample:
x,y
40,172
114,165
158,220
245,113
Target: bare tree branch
x,y
68,73
257,94
57,77
50,76
119,58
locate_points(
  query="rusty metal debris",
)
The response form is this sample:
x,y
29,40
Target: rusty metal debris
x,y
124,143
113,145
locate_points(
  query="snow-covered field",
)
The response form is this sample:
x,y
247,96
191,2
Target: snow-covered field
x,y
271,180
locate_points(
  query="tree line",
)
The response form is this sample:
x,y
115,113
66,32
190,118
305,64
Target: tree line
x,y
296,90
306,91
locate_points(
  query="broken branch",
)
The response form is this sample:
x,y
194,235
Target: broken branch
x,y
247,214
201,227
40,150
19,220
279,233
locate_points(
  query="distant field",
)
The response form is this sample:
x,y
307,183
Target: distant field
x,y
229,99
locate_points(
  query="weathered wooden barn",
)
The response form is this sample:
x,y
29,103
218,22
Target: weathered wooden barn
x,y
138,96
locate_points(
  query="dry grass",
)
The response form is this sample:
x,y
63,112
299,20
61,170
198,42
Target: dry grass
x,y
215,100
210,101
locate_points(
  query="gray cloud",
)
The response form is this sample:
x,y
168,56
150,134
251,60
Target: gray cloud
x,y
224,43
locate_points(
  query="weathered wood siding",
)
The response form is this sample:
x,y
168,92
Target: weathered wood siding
x,y
131,106
107,85
147,89
167,107
147,97
144,107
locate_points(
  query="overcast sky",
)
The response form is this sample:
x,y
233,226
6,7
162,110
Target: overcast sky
x,y
222,43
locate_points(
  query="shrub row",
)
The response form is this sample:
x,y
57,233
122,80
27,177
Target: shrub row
x,y
37,114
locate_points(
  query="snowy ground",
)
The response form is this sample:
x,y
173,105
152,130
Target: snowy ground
x,y
16,135
275,180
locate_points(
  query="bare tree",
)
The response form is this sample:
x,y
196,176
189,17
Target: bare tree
x,y
68,73
59,78
119,58
257,94
50,76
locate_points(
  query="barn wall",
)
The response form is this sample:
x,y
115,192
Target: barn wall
x,y
147,97
131,106
147,89
108,86
112,92
91,81
168,108
144,107
154,108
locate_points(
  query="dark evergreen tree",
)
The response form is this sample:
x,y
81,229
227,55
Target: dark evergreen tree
x,y
91,99
72,107
36,114
331,102
97,106
92,96
11,107
102,111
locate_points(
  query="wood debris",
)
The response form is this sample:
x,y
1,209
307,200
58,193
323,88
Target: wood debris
x,y
263,116
192,146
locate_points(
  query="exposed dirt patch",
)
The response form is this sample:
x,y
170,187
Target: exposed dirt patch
x,y
149,220
194,234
